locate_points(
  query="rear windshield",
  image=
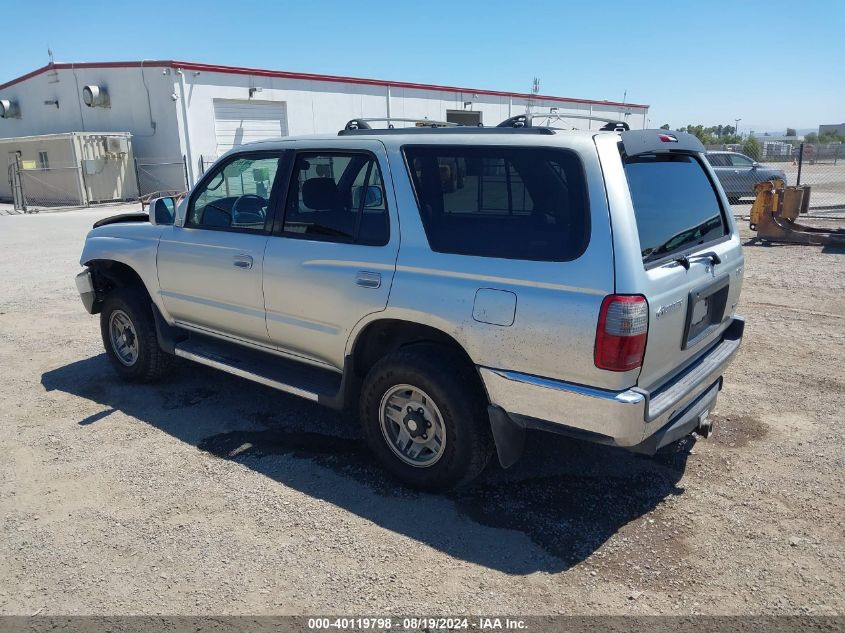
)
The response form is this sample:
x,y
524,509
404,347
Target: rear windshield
x,y
675,204
505,202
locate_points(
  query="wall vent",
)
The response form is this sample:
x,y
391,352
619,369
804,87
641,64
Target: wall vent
x,y
96,97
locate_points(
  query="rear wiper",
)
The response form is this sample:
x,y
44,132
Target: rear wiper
x,y
713,256
676,240
685,260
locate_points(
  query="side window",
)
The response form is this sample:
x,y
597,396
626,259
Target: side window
x,y
43,160
237,196
337,197
718,160
739,160
505,202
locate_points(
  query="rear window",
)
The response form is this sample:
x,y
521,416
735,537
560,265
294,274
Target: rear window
x,y
675,204
505,202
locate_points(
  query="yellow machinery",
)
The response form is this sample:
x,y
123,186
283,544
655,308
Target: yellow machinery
x,y
775,211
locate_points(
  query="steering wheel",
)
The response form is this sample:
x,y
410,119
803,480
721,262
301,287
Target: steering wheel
x,y
261,212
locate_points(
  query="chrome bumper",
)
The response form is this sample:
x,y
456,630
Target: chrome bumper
x,y
85,286
623,418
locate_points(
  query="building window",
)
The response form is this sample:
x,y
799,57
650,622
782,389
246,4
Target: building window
x,y
43,161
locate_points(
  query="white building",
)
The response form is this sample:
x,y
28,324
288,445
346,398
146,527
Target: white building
x,y
184,110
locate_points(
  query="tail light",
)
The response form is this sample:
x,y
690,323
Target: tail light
x,y
621,333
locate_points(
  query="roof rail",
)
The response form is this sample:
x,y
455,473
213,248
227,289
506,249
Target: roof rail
x,y
364,124
526,120
458,129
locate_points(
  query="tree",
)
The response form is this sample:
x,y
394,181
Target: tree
x,y
665,126
704,135
812,137
831,137
790,131
752,148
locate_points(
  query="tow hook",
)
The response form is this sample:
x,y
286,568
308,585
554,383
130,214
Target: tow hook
x,y
705,424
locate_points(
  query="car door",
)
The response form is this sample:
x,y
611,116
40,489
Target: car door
x,y
744,174
721,164
332,256
209,269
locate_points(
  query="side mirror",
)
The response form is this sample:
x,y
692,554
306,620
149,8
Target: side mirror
x,y
373,197
755,165
162,211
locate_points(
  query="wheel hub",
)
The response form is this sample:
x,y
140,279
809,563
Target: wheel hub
x,y
416,423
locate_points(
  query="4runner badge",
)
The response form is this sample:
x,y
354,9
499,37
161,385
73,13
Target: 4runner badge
x,y
669,307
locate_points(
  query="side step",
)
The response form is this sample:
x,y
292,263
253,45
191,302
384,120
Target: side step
x,y
299,379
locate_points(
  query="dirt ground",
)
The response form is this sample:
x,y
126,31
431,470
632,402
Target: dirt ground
x,y
209,494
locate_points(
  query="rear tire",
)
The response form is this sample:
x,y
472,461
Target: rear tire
x,y
127,326
424,417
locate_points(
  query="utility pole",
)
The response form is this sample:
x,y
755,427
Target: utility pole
x,y
535,90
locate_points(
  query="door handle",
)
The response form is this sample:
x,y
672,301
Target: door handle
x,y
242,261
368,279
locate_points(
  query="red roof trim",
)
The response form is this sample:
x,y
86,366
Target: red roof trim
x,y
258,72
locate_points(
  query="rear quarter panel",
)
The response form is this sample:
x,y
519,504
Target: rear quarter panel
x,y
556,305
665,285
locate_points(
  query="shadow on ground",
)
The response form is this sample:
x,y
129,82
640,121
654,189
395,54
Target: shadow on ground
x,y
566,497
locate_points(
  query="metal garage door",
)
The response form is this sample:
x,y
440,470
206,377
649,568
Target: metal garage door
x,y
239,122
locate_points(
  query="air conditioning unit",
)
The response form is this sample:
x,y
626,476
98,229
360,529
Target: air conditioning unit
x,y
9,109
117,145
95,97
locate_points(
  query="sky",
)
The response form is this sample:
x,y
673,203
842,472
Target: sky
x,y
774,63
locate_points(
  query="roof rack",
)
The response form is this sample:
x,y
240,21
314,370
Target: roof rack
x,y
526,121
364,124
459,129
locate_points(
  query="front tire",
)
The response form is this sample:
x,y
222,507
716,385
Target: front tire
x,y
127,326
423,416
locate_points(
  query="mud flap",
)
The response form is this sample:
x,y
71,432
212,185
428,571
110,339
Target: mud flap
x,y
166,334
508,435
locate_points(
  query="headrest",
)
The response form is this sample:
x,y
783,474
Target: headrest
x,y
320,194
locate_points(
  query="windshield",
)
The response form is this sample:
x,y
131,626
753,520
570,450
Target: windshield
x,y
675,204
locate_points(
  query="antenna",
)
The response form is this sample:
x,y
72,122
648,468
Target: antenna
x,y
50,55
535,90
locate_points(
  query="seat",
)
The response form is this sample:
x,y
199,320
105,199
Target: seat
x,y
321,194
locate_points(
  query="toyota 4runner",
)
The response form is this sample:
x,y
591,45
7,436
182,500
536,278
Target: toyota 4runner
x,y
457,285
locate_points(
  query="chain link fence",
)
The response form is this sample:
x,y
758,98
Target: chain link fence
x,y
205,162
161,175
820,165
31,188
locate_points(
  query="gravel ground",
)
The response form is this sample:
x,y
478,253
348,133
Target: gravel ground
x,y
208,494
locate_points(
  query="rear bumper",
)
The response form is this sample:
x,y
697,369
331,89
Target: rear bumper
x,y
636,419
85,286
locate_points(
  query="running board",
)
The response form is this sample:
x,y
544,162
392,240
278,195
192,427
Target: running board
x,y
296,378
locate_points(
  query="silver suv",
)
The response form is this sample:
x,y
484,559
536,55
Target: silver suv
x,y
457,285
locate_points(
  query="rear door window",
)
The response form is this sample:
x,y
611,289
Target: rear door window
x,y
337,197
675,204
504,202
